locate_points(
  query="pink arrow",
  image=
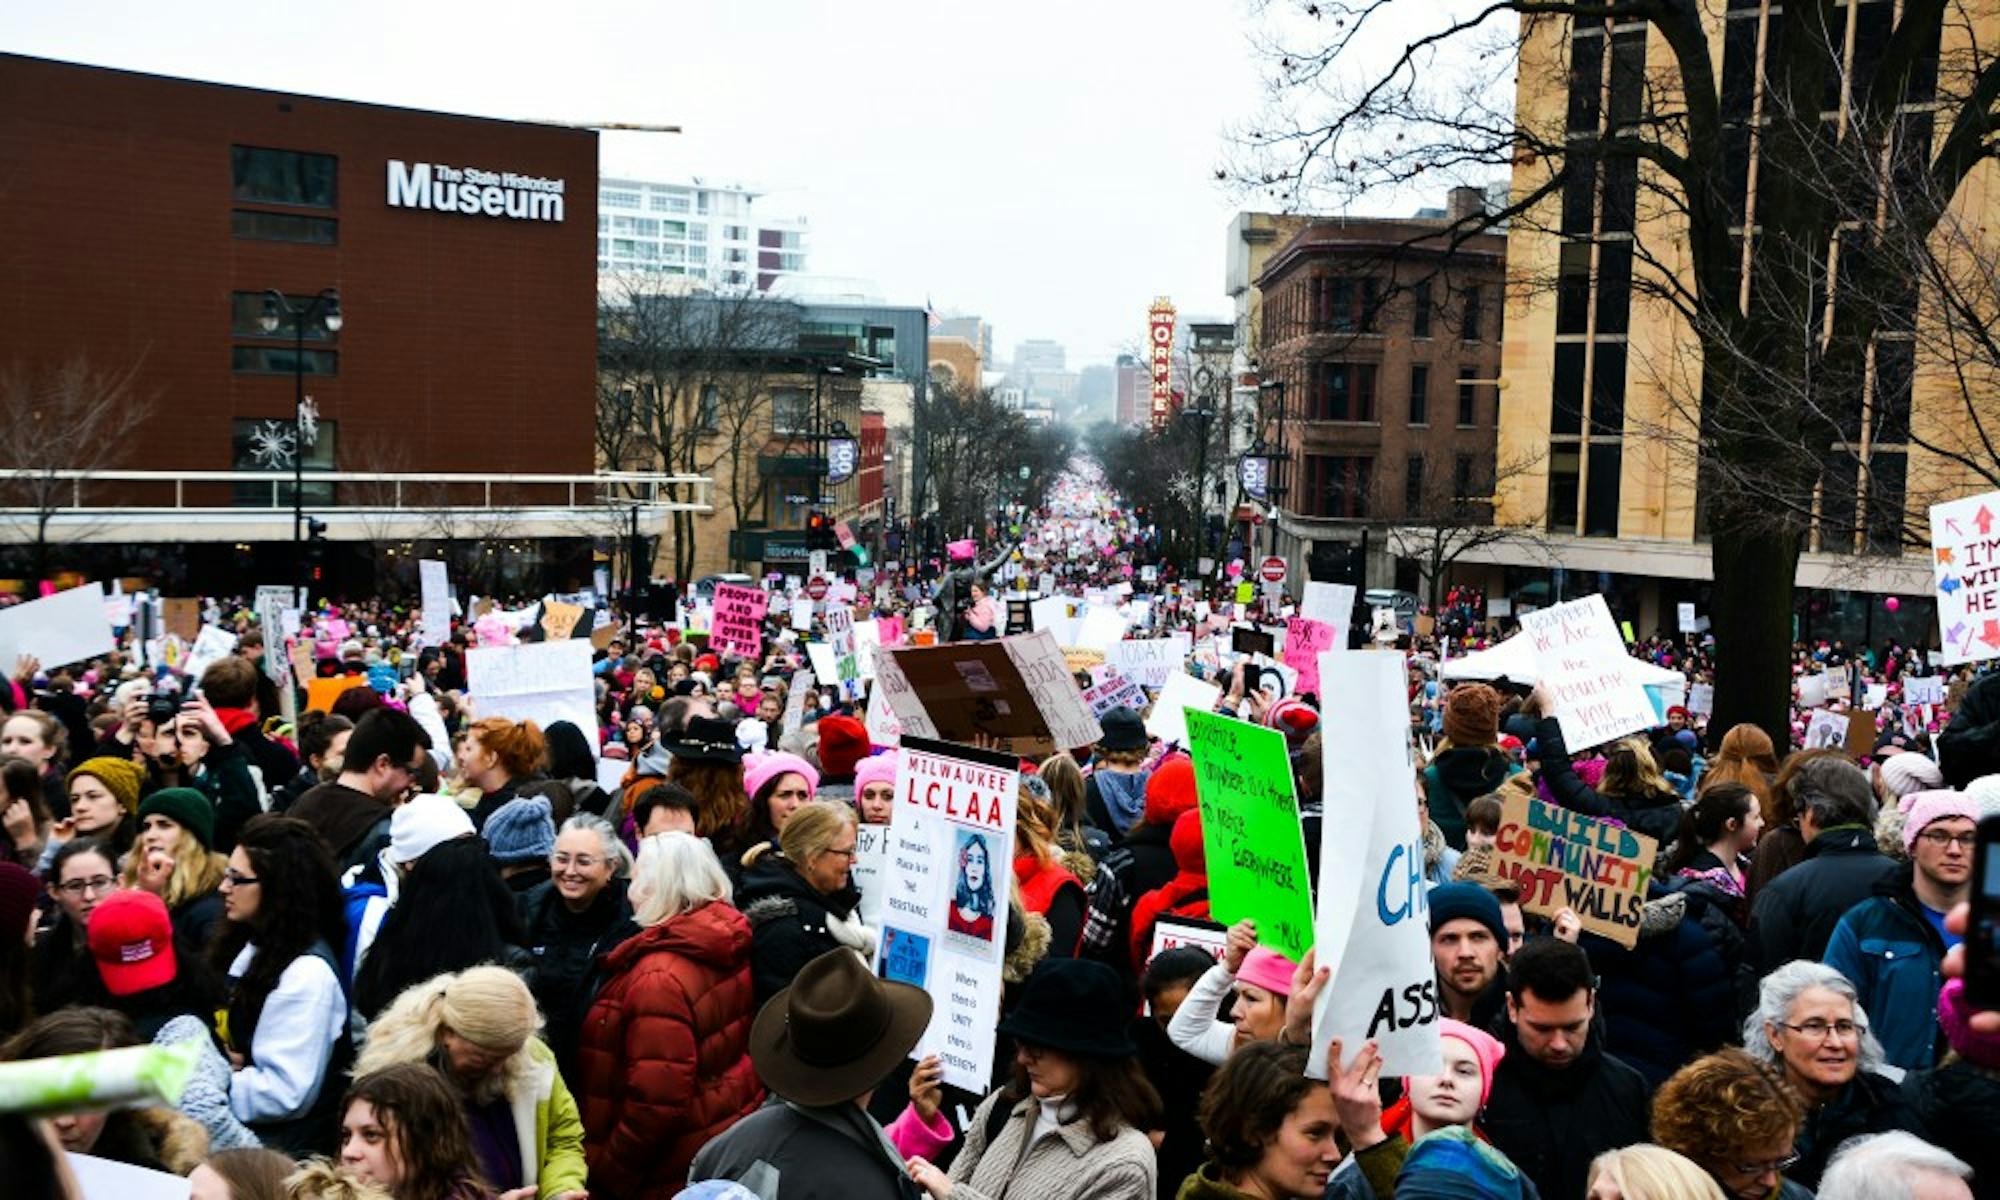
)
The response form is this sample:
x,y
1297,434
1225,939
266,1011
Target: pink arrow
x,y
1991,636
1983,519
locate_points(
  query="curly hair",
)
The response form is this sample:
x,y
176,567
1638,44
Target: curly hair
x,y
1724,1107
420,1113
488,1006
519,746
299,906
720,804
1247,1101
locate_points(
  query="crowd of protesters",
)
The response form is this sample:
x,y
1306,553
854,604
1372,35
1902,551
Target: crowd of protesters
x,y
431,954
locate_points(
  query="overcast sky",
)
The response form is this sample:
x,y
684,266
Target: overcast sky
x,y
1047,165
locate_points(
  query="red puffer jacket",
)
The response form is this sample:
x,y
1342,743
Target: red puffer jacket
x,y
663,1058
1185,895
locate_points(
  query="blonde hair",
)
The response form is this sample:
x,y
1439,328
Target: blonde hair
x,y
322,1180
676,874
813,828
1034,827
488,1006
197,870
1646,1172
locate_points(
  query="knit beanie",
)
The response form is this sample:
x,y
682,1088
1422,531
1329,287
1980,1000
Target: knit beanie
x,y
1268,969
1472,715
1190,854
1910,772
1453,1164
121,777
419,825
880,768
843,741
1484,1046
19,892
186,808
1294,718
1170,790
1985,792
1923,808
760,769
1955,1015
521,831
1467,901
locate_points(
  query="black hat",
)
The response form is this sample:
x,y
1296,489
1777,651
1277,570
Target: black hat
x,y
1123,730
706,739
836,1031
1074,1005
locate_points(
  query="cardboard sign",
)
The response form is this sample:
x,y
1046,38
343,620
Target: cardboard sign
x,y
321,693
1965,564
1701,699
1148,662
1562,859
739,620
603,635
435,621
559,620
1924,689
795,700
1016,689
543,682
1305,640
1183,694
1112,691
1584,663
66,627
1373,922
181,615
1861,732
944,916
301,655
1250,831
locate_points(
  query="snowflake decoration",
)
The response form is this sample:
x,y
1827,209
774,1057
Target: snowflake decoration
x,y
271,445
1182,486
309,421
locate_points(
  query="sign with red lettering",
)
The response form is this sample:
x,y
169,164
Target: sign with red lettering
x,y
1160,356
944,915
1562,859
1965,554
1583,661
739,619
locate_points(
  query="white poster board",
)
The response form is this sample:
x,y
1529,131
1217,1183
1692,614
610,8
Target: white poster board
x,y
870,871
1965,562
1171,933
436,615
1924,689
65,628
543,682
1102,628
211,646
1684,616
1826,730
884,727
1701,699
944,915
1052,613
1332,603
1168,721
1112,691
1584,664
795,701
1372,926
1150,661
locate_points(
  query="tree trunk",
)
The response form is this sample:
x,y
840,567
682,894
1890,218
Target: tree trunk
x,y
1755,568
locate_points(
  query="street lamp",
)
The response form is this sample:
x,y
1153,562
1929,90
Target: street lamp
x,y
278,310
1279,463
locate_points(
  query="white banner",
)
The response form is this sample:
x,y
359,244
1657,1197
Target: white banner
x,y
1585,667
1332,603
543,682
65,628
436,619
1373,924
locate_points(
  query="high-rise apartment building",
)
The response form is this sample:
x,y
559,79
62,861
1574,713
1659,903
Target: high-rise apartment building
x,y
707,233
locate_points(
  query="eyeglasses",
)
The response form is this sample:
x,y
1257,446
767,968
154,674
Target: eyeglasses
x,y
1775,1166
1941,839
848,853
1817,1029
237,879
582,862
84,887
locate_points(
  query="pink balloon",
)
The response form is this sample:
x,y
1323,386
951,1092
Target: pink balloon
x,y
1234,569
1892,604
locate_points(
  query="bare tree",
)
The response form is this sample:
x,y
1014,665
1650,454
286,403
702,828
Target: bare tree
x,y
983,455
1453,517
76,416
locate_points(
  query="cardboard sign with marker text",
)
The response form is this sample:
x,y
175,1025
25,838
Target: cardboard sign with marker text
x,y
1562,859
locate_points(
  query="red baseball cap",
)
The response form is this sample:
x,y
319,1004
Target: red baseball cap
x,y
132,940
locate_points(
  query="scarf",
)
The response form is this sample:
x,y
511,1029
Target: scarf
x,y
236,720
1124,795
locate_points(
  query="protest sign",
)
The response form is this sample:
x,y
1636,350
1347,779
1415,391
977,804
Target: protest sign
x,y
795,700
1684,616
1112,691
543,682
1826,730
739,620
840,640
1052,613
301,656
1813,690
1332,603
1183,693
944,914
1171,933
59,629
867,641
1373,922
181,616
211,646
1052,689
870,871
1250,830
820,655
321,693
1584,664
884,729
1924,689
1101,629
1017,690
1861,731
1305,640
1874,695
559,620
1563,859
1701,698
1149,662
802,614
436,612
1965,561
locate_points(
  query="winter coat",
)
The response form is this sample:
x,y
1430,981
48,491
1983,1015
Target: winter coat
x,y
1068,1164
663,1057
547,1126
1550,1123
567,947
1457,777
1098,808
224,777
1869,1104
1185,895
1893,956
835,1153
1671,997
791,922
1969,747
1794,915
353,824
287,793
1179,1078
1657,816
205,1099
1048,888
1956,1107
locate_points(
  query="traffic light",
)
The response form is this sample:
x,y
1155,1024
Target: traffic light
x,y
316,547
819,532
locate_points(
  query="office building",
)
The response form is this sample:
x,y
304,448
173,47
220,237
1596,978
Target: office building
x,y
707,232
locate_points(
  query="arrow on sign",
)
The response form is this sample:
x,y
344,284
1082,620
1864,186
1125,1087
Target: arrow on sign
x,y
1951,635
1949,585
1944,554
1984,520
1992,634
1951,523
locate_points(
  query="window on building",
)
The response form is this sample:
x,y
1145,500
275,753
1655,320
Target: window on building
x,y
1600,506
1338,485
280,360
1573,288
674,229
1342,392
1607,390
646,226
1420,393
1461,484
791,411
735,233
697,232
283,227
265,444
1469,324
709,414
283,176
246,315
1586,79
701,203
1566,413
1468,397
1413,485
1565,464
1420,309
617,198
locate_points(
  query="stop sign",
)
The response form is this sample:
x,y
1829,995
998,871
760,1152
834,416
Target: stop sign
x,y
1272,570
816,588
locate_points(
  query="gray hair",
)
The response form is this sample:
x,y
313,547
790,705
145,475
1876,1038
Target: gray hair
x,y
1886,1166
1835,791
1781,989
676,874
614,846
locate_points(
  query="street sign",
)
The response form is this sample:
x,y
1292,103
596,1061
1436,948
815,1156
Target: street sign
x,y
1272,570
816,588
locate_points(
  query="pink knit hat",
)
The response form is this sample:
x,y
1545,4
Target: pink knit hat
x,y
1269,970
760,769
1484,1046
880,768
1922,808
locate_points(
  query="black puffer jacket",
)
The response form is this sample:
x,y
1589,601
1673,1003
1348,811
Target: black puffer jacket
x,y
1672,997
790,921
566,947
1795,913
1551,1123
1970,746
1658,817
1956,1106
1870,1104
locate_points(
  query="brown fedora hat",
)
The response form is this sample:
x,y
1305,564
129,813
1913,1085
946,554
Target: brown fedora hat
x,y
836,1031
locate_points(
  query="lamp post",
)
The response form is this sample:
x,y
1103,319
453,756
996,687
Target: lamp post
x,y
278,310
1280,462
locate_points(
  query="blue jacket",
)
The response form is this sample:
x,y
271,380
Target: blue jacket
x,y
1892,955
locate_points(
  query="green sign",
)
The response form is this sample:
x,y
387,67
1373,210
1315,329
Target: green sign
x,y
1250,830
